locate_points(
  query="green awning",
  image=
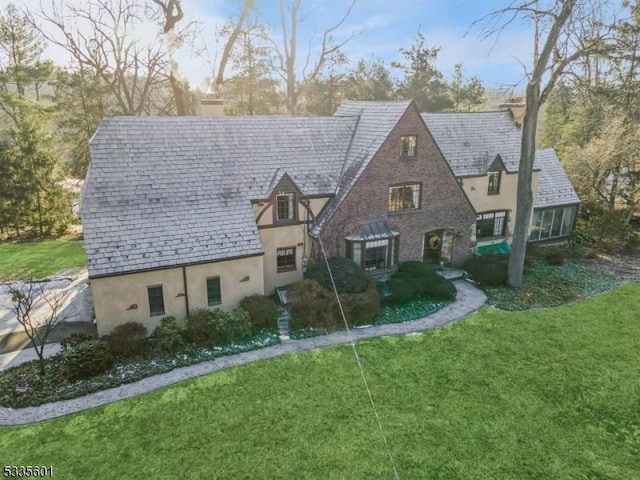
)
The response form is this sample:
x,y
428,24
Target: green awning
x,y
501,248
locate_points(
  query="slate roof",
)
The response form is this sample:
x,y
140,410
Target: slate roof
x,y
375,121
554,187
167,191
471,141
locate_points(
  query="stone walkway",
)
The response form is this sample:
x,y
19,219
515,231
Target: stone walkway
x,y
469,299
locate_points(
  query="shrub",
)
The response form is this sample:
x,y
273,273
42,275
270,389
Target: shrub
x,y
217,327
614,234
530,255
348,276
403,288
311,305
360,308
128,339
489,270
262,311
419,280
74,339
87,359
168,336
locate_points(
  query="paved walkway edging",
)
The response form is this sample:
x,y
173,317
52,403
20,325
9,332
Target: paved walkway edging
x,y
469,300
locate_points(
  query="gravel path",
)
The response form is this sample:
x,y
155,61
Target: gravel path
x,y
469,299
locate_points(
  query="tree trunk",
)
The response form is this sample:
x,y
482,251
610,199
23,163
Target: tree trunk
x,y
524,202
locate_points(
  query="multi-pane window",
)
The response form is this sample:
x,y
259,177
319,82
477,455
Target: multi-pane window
x,y
404,197
494,183
214,294
285,206
408,145
491,224
376,254
286,258
156,300
552,223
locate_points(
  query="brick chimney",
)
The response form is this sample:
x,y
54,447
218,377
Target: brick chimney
x,y
516,106
211,103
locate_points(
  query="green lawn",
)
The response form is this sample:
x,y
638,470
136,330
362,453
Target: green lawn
x,y
39,259
545,394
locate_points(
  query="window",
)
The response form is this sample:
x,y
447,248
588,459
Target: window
x,y
404,197
285,206
286,259
491,224
376,254
408,145
156,300
214,296
494,183
552,223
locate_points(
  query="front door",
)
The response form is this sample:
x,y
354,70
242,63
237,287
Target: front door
x,y
438,247
432,246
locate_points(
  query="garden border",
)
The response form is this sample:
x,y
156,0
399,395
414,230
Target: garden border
x,y
468,300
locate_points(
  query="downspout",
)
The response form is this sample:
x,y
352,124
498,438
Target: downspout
x,y
186,293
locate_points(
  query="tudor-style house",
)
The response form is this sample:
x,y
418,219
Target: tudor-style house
x,y
182,213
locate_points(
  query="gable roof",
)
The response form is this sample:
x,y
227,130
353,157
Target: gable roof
x,y
167,191
471,141
554,187
375,121
474,142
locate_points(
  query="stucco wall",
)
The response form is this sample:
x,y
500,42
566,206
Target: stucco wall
x,y
295,235
443,203
113,296
280,237
476,190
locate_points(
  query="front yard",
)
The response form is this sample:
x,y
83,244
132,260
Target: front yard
x,y
550,393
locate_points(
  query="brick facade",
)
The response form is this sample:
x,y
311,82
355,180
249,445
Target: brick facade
x,y
443,204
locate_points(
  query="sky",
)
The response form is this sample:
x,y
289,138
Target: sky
x,y
382,27
379,29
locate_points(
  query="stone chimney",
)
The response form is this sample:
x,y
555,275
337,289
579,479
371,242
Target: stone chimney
x,y
516,106
211,103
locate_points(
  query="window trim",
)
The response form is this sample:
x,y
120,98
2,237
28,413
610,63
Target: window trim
x,y
409,153
417,201
392,252
496,187
291,206
157,311
503,230
211,303
540,213
287,267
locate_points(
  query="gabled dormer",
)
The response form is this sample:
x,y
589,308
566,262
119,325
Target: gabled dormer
x,y
494,175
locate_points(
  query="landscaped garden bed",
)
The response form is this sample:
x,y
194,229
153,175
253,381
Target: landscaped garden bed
x,y
549,285
22,385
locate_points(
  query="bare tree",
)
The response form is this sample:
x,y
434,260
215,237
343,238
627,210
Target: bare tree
x,y
171,13
287,56
39,311
565,32
104,37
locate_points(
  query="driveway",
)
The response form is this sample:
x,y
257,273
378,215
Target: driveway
x,y
77,308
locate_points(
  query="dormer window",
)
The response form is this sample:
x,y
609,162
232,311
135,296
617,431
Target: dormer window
x,y
408,146
285,207
494,183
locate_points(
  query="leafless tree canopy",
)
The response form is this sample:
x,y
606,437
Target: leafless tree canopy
x,y
111,48
38,310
